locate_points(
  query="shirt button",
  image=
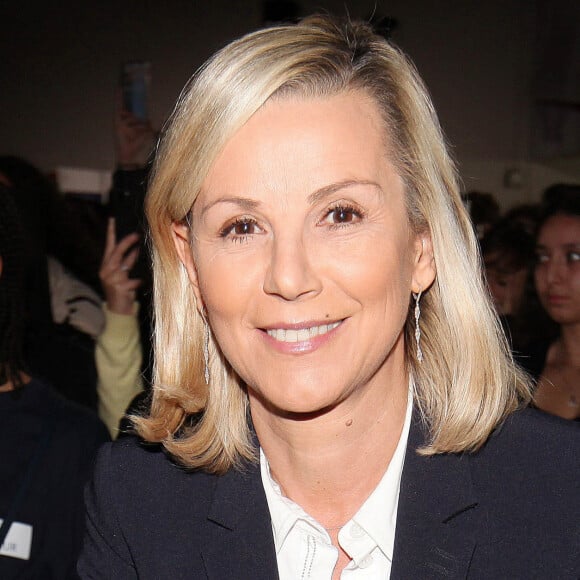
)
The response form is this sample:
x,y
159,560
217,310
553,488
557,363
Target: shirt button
x,y
356,531
365,562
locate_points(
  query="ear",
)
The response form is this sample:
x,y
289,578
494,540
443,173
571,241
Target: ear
x,y
181,240
424,271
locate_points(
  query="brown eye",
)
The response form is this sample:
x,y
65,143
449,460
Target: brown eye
x,y
241,229
244,228
343,215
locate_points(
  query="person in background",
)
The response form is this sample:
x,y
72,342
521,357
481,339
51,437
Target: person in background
x,y
508,251
557,278
523,215
122,368
135,140
483,210
47,443
61,288
118,353
333,396
508,255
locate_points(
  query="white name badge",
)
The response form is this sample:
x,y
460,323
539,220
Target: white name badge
x,y
18,541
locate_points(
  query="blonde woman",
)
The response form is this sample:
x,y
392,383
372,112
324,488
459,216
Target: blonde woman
x,y
333,397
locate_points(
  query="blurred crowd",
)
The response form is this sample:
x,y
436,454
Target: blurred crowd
x,y
75,350
75,326
531,257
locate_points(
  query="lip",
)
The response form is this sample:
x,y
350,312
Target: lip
x,y
557,299
301,346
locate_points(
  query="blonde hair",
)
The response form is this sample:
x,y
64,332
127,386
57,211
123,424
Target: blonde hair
x,y
467,382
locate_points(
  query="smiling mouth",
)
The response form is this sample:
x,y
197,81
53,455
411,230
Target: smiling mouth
x,y
302,334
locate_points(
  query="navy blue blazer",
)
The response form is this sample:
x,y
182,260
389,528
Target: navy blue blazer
x,y
509,511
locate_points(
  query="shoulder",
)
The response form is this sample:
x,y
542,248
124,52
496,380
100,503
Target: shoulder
x,y
530,435
133,471
529,470
70,420
139,497
526,484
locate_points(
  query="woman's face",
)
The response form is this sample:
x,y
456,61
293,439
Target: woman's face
x,y
303,256
557,271
507,287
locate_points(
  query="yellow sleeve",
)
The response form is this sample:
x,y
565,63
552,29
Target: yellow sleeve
x,y
118,359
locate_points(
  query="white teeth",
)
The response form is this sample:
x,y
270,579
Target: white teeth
x,y
303,335
289,335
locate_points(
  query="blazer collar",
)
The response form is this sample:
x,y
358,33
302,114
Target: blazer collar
x,y
240,543
434,537
436,514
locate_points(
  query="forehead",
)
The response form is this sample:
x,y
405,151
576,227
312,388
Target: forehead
x,y
304,144
560,229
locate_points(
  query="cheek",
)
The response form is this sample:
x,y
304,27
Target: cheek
x,y
226,286
519,283
539,278
575,280
382,279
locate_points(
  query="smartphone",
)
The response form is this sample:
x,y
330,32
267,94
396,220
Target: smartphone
x,y
135,84
125,208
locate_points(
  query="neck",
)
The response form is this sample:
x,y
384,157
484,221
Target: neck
x,y
331,462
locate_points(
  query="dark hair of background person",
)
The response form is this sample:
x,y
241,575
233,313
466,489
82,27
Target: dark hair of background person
x,y
559,199
483,209
525,215
12,273
509,247
50,225
57,353
559,192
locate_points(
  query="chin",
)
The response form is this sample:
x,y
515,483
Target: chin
x,y
306,402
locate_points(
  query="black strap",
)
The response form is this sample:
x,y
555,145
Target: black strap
x,y
33,464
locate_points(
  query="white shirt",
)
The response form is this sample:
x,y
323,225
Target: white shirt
x,y
303,547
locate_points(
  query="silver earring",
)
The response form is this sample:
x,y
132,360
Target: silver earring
x,y
206,350
417,327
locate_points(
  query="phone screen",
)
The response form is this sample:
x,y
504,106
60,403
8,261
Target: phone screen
x,y
135,82
125,209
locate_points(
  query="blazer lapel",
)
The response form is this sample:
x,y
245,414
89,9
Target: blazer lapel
x,y
436,516
240,543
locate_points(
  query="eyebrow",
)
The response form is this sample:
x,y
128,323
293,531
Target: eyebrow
x,y
244,202
248,204
331,189
570,246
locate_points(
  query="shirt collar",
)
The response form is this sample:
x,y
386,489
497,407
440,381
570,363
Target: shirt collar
x,y
378,514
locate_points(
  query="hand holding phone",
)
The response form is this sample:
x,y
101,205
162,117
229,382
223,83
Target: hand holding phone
x,y
118,260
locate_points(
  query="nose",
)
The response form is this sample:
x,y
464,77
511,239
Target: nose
x,y
556,270
290,274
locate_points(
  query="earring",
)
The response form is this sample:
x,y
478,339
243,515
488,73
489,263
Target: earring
x,y
206,351
417,327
